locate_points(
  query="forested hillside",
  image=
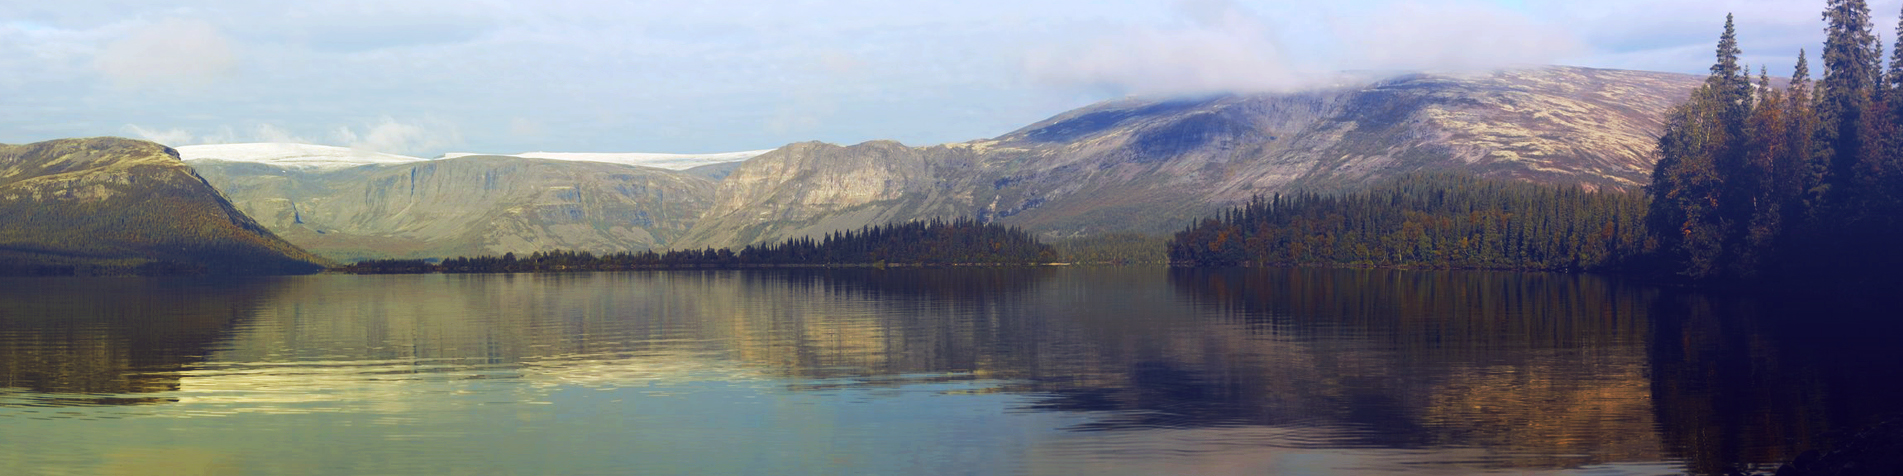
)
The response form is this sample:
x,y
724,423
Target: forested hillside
x,y
1426,220
1755,182
956,242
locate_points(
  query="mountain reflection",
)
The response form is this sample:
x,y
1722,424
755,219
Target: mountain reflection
x,y
1500,370
112,340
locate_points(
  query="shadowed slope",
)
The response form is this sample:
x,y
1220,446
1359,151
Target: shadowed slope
x,y
121,206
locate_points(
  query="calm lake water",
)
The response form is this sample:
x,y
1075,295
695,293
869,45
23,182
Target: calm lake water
x,y
1020,371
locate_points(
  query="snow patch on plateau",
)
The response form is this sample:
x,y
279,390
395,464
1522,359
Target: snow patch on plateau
x,y
643,159
300,156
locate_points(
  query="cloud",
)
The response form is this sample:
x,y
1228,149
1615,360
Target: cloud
x,y
684,76
272,133
1224,48
171,137
172,54
393,137
1449,35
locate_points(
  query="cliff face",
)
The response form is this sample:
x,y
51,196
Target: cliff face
x,y
1151,166
465,206
120,206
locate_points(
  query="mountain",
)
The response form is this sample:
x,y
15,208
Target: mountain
x,y
120,206
463,206
1151,166
662,161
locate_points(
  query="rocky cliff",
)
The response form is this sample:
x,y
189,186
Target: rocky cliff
x,y
121,206
465,206
1153,165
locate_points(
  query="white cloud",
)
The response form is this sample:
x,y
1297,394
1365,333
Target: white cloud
x,y
261,132
393,137
728,75
385,135
1451,35
171,137
273,133
173,53
1224,48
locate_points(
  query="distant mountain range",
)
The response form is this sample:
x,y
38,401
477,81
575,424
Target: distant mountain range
x,y
466,206
310,156
1132,165
661,161
108,206
351,205
1152,166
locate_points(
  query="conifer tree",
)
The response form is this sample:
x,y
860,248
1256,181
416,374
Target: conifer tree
x,y
1804,167
1844,93
1696,209
1732,81
1765,149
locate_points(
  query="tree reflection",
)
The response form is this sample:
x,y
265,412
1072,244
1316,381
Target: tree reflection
x,y
1743,379
109,340
1508,370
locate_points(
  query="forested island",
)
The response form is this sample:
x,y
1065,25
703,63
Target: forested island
x,y
955,242
1754,183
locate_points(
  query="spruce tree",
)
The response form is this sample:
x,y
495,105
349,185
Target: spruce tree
x,y
1893,83
1732,81
1694,212
1757,189
1844,93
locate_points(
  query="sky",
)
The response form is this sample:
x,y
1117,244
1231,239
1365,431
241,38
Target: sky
x,y
425,77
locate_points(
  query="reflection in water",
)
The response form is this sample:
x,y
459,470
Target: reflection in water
x,y
904,371
1744,378
110,340
1541,370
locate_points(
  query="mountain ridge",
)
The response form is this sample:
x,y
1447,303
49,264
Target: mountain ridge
x,y
1151,165
110,205
1144,165
466,206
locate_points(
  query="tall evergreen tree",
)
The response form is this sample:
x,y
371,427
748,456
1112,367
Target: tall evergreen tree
x,y
1693,210
1765,149
1844,95
1731,81
1806,164
1894,78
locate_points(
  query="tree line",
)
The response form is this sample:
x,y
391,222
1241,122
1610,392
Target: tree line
x,y
1801,182
1433,220
1754,182
934,242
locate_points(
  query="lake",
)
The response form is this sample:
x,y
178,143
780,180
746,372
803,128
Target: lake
x,y
929,371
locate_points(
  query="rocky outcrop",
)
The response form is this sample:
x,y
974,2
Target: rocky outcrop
x,y
465,206
121,206
1152,166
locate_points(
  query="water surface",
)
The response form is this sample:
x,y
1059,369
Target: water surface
x,y
1015,371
